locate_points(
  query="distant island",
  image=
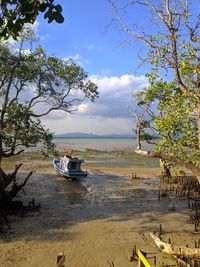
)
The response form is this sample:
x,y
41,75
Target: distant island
x,y
90,135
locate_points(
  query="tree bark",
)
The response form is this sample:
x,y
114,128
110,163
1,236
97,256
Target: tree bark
x,y
166,168
138,135
16,188
198,122
7,179
188,165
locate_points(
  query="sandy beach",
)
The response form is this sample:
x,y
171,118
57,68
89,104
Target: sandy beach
x,y
95,222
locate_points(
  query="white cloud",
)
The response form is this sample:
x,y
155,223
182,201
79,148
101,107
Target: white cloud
x,y
77,58
91,47
30,28
44,37
125,82
34,26
27,26
88,124
108,114
106,72
82,108
23,51
10,42
115,95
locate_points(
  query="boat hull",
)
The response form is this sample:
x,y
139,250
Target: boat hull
x,y
68,174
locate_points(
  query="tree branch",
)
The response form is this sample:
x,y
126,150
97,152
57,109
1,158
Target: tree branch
x,y
189,165
17,187
7,155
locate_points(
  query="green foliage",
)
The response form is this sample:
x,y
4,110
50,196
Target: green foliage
x,y
176,109
20,130
173,119
32,85
171,104
15,13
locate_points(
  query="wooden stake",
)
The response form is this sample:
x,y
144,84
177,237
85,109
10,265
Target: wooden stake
x,y
60,259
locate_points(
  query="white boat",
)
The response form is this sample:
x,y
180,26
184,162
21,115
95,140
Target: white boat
x,y
69,167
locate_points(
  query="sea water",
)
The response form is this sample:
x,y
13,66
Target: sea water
x,y
97,143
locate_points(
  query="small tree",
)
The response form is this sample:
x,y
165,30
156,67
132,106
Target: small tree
x,y
173,119
172,53
143,115
32,85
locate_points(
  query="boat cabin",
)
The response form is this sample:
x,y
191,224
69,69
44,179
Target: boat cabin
x,y
71,164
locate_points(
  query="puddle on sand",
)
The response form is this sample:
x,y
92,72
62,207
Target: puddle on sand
x,y
96,196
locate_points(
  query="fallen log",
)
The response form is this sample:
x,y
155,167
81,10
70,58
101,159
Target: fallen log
x,y
171,249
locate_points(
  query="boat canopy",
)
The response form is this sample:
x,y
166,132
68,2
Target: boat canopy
x,y
71,164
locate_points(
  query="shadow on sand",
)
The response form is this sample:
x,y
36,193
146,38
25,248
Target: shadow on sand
x,y
100,196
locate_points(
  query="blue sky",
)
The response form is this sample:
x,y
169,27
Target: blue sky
x,y
85,33
86,37
100,50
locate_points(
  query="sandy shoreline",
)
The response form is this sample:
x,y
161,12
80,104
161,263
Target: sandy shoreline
x,y
94,222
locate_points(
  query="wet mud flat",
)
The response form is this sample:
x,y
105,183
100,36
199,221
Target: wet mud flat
x,y
94,222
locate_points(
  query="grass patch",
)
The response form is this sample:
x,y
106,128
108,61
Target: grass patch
x,y
91,157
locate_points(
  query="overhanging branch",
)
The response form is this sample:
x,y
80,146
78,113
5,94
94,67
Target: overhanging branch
x,y
189,165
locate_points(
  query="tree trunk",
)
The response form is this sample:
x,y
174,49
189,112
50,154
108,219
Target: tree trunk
x,y
198,122
165,167
138,135
188,165
7,179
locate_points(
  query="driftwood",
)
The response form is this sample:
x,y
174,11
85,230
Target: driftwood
x,y
175,250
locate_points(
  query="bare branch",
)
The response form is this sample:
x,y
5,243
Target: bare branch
x,y
192,30
173,158
18,90
17,187
7,155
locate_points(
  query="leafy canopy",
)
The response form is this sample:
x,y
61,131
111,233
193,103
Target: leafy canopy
x,y
15,13
33,84
171,41
172,117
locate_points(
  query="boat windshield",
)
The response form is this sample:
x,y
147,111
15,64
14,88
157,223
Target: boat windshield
x,y
73,165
